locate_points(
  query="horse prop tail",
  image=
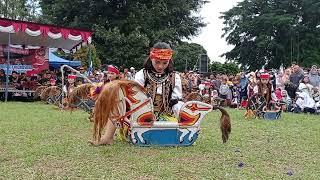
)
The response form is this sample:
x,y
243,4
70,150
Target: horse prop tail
x,y
225,123
106,106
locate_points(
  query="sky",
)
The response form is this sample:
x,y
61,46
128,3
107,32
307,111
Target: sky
x,y
210,36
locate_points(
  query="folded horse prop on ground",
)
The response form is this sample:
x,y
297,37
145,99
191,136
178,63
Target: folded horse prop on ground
x,y
51,95
38,92
81,97
258,107
126,104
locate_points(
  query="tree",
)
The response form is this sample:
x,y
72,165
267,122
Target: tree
x,y
273,32
119,49
83,55
19,9
186,55
125,30
33,9
226,68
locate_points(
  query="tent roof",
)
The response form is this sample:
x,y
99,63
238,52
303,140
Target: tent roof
x,y
35,34
56,61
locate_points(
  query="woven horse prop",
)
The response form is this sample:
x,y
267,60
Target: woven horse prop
x,y
128,106
257,107
83,97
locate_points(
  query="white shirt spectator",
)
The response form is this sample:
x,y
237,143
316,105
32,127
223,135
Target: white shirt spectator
x,y
304,100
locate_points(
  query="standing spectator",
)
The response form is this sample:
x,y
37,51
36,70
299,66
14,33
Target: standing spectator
x,y
133,72
279,79
224,90
112,74
296,75
127,74
216,81
235,92
97,77
286,75
189,82
295,79
243,86
2,82
83,71
314,76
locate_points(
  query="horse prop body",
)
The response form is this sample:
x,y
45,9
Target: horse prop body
x,y
128,106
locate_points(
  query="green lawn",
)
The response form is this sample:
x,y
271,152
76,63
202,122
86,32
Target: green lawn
x,y
39,141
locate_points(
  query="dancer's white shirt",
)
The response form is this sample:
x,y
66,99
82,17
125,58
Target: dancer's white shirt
x,y
176,93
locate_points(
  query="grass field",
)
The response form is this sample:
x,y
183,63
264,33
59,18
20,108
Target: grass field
x,y
38,141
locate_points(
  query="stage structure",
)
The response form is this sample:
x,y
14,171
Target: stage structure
x,y
32,40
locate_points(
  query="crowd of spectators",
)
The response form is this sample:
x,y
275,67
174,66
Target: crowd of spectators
x,y
24,82
296,87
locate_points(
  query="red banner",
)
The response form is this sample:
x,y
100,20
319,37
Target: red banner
x,y
36,59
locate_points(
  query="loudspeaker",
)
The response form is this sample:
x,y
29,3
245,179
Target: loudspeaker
x,y
203,63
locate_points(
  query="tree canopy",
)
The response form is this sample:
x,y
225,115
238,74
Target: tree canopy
x,y
125,30
187,55
225,68
19,9
273,32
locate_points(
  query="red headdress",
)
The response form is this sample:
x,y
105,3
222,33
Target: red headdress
x,y
161,54
265,76
72,76
113,69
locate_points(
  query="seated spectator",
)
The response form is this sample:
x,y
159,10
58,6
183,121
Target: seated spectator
x,y
23,77
286,101
316,94
305,86
278,94
14,80
79,81
29,84
304,103
2,77
45,79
